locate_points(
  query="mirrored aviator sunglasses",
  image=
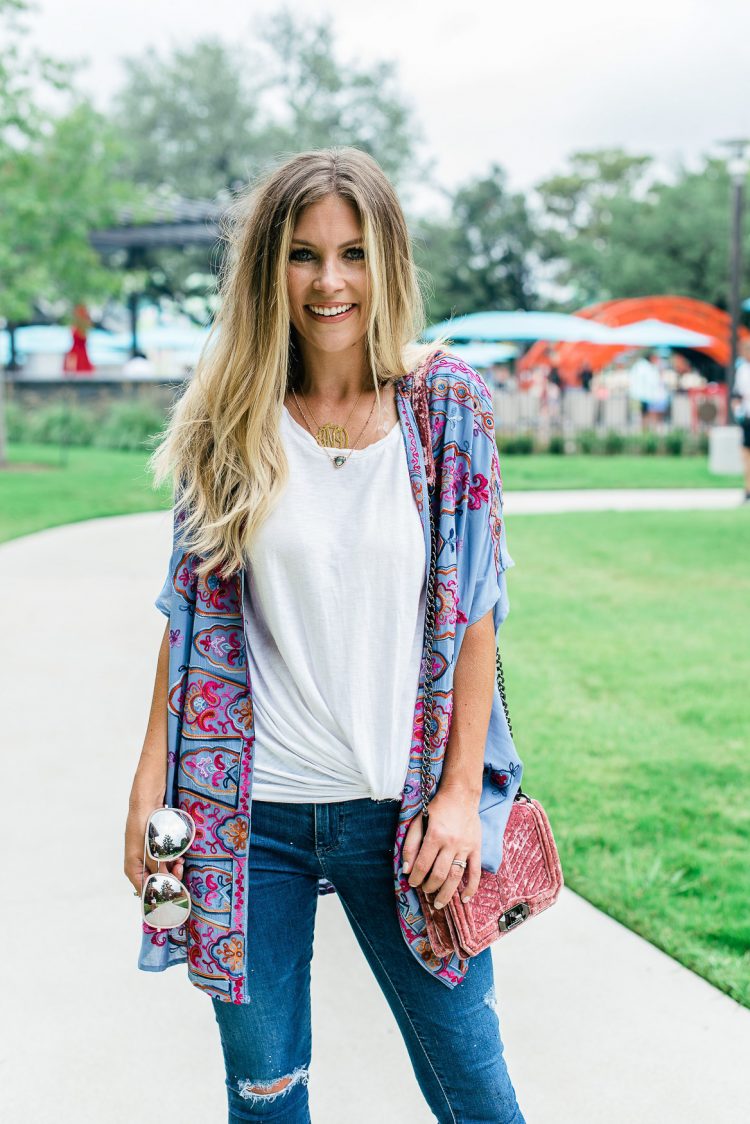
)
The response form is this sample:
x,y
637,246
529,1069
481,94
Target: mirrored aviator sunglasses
x,y
165,902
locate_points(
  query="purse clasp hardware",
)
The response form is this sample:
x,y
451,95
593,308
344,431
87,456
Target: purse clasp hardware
x,y
513,916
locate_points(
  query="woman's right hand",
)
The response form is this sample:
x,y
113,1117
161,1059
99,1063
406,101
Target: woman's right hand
x,y
135,834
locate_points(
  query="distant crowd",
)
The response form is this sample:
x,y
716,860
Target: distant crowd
x,y
650,381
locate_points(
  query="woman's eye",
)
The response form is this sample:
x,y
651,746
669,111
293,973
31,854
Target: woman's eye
x,y
357,251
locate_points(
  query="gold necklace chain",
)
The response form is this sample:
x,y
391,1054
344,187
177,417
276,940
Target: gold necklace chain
x,y
335,436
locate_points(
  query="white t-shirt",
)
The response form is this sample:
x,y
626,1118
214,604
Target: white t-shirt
x,y
334,623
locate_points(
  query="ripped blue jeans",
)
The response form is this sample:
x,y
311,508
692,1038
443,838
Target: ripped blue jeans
x,y
267,1042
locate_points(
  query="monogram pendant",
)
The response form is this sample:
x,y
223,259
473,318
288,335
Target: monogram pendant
x,y
333,436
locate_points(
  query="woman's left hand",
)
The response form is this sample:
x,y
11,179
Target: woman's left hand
x,y
453,832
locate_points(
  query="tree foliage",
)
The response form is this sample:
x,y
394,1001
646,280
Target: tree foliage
x,y
482,256
56,179
610,227
207,117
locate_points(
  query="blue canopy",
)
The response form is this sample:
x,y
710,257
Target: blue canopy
x,y
524,326
657,333
481,355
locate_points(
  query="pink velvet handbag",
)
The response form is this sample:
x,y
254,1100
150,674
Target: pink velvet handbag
x,y
530,876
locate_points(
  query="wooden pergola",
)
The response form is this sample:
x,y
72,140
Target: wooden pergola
x,y
175,223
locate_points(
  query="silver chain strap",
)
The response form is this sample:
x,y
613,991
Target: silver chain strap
x,y
427,712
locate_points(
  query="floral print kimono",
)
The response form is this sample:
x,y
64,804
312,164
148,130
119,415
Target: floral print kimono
x,y
446,416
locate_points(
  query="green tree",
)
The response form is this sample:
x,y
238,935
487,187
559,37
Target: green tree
x,y
188,120
206,118
576,215
674,241
56,182
78,190
482,257
23,128
610,228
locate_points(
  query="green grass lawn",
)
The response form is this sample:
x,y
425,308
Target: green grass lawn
x,y
541,470
626,658
95,482
92,482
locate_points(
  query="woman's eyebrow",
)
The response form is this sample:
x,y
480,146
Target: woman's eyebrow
x,y
304,242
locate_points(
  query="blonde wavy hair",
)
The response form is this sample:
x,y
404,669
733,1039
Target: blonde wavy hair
x,y
222,447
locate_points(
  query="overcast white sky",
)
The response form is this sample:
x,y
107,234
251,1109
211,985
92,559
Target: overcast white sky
x,y
489,80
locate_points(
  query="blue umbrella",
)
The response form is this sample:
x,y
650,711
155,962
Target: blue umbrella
x,y
484,354
657,333
524,326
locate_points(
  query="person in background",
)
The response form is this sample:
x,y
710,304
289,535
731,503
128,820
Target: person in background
x,y
600,391
646,388
741,408
554,377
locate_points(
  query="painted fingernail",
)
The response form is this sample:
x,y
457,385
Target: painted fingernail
x,y
438,905
466,898
406,867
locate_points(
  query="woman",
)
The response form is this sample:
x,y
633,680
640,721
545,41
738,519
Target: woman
x,y
283,715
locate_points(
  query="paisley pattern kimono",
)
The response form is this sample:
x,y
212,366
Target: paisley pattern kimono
x,y
446,416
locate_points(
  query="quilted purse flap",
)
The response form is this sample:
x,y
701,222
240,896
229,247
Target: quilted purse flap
x,y
530,873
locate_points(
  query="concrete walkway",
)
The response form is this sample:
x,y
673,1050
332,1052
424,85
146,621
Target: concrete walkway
x,y
598,1025
622,499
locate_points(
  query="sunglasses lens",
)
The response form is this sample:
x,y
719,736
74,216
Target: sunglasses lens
x,y
165,902
170,833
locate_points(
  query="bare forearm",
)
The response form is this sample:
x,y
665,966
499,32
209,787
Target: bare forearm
x,y
473,685
151,775
150,778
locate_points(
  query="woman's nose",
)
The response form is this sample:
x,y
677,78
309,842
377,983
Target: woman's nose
x,y
329,277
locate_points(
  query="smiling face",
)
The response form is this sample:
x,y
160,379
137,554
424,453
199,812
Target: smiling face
x,y
327,278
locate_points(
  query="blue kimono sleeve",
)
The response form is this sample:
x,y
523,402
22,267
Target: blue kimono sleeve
x,y
486,551
163,601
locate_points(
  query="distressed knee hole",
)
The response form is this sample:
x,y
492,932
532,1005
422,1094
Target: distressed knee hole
x,y
256,1091
491,999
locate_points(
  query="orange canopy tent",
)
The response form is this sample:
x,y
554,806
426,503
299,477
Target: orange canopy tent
x,y
698,316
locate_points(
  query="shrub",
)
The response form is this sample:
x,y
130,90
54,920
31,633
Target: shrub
x,y
17,423
131,425
632,443
516,443
61,424
556,444
614,442
645,444
588,441
675,442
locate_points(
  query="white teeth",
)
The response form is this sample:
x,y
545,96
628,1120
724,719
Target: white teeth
x,y
330,311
